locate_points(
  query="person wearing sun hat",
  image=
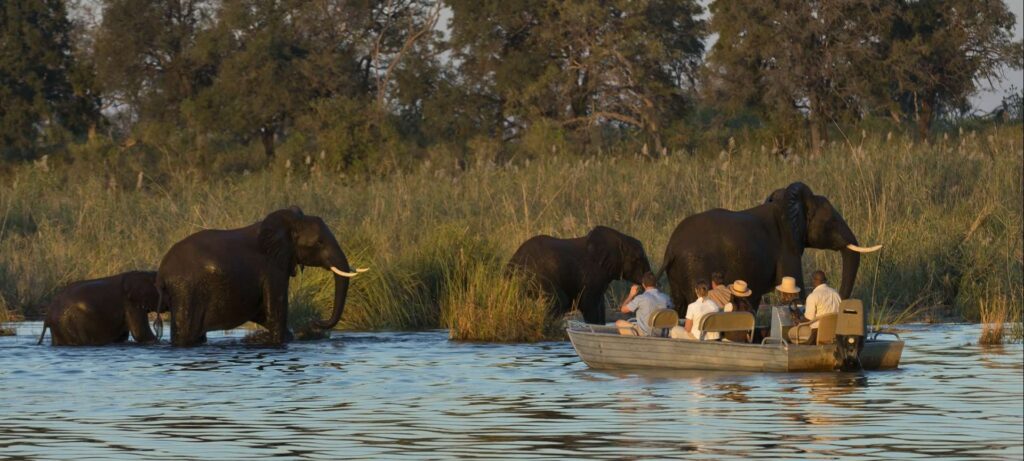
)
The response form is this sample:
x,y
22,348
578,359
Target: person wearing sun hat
x,y
740,293
789,292
789,295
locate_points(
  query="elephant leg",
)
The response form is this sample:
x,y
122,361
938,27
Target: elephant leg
x,y
138,324
275,307
678,284
592,306
187,318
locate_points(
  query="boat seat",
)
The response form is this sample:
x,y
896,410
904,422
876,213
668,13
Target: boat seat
x,y
662,320
724,322
801,333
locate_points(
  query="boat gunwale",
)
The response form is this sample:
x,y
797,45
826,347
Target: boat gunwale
x,y
788,350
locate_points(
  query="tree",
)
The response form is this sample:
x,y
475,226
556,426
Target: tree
x,y
579,63
37,99
796,60
146,59
943,50
258,86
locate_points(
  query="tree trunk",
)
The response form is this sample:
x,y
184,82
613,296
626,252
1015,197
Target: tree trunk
x,y
267,136
924,117
815,135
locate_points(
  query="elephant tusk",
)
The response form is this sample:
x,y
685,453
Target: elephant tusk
x,y
343,273
362,269
859,249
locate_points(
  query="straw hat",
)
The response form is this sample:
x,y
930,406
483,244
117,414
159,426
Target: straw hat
x,y
739,288
788,285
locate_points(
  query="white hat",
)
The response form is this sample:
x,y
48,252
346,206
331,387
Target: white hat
x,y
739,288
788,285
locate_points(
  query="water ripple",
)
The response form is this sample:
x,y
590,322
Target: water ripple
x,y
416,396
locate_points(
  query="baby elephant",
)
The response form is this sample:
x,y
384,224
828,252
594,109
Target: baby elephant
x,y
103,311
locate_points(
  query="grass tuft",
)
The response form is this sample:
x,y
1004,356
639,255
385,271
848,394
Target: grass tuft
x,y
996,314
6,316
948,214
480,303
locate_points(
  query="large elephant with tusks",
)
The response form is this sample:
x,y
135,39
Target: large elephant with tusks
x,y
761,244
220,279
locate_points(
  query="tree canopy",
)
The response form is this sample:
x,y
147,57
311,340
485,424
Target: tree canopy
x,y
371,81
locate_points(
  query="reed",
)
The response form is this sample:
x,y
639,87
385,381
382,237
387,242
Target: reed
x,y
996,314
947,212
481,303
6,316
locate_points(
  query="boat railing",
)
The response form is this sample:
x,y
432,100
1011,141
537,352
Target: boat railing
x,y
874,335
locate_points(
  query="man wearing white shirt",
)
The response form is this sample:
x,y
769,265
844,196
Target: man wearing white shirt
x,y
822,300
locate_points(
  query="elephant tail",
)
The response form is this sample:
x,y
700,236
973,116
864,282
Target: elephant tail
x,y
158,323
42,333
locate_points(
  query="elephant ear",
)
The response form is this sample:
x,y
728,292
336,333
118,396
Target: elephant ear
x,y
276,241
604,250
796,205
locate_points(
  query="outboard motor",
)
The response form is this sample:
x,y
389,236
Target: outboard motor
x,y
850,327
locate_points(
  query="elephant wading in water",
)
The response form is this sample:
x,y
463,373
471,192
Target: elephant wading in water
x,y
580,269
220,279
761,244
103,311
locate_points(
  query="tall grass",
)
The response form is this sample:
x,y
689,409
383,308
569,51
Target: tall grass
x,y
481,303
948,213
997,314
6,316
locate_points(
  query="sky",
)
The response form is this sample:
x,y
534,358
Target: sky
x,y
985,101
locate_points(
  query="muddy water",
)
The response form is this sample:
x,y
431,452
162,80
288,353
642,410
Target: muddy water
x,y
416,395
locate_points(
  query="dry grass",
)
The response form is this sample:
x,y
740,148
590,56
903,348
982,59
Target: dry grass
x,y
481,304
996,315
948,213
6,316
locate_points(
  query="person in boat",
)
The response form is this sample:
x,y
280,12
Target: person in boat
x,y
643,305
740,297
822,300
719,292
789,295
695,312
740,293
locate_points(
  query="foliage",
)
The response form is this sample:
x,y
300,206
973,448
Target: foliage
x,y
42,98
480,303
796,59
579,63
947,213
940,52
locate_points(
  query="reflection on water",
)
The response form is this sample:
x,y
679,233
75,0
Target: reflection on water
x,y
416,395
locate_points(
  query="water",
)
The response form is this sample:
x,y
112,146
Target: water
x,y
417,395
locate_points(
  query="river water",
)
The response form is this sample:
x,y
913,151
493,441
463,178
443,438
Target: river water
x,y
417,395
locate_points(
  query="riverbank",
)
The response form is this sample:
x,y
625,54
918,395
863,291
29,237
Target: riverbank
x,y
948,213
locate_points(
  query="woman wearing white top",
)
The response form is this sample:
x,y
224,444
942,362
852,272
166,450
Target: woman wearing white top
x,y
695,312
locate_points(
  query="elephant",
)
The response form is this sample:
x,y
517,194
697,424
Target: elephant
x,y
760,245
580,269
220,279
103,311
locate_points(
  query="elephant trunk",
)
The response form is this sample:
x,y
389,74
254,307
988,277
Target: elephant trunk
x,y
851,260
341,283
851,263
